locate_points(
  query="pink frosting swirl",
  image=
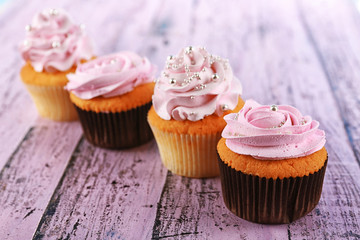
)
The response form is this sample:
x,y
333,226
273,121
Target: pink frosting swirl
x,y
195,84
110,75
53,43
272,132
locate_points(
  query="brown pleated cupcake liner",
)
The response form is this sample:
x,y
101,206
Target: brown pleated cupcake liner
x,y
188,155
52,102
120,130
270,201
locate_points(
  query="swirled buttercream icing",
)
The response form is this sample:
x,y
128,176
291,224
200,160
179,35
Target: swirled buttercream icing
x,y
272,132
195,84
53,43
110,75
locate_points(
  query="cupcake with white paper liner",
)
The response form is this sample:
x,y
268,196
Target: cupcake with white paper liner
x,y
272,163
112,95
193,93
53,47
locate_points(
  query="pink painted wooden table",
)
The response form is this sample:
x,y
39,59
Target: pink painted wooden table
x,y
55,185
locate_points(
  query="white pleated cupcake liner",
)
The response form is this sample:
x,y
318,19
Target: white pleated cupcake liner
x,y
52,102
188,155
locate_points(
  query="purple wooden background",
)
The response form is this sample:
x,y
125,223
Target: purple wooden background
x,y
55,185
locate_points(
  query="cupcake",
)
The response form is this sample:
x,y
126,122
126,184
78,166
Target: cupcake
x,y
112,95
272,163
52,49
191,97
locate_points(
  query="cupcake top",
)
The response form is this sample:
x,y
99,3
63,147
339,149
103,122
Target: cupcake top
x,y
53,43
272,132
195,84
110,75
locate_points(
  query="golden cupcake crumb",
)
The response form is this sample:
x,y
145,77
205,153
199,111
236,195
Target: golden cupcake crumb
x,y
30,76
139,96
209,125
293,167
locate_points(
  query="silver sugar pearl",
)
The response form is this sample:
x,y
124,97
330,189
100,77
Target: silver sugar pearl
x,y
215,76
26,43
53,12
55,44
224,107
192,97
274,107
172,81
236,117
28,28
191,113
112,61
170,57
189,50
82,26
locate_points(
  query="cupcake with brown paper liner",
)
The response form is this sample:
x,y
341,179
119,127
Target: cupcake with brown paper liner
x,y
272,163
193,93
112,95
53,47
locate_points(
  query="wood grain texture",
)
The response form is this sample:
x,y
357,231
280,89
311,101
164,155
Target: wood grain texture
x,y
105,195
336,38
17,113
278,64
299,52
31,174
194,209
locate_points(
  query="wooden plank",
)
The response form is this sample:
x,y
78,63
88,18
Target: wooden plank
x,y
169,30
194,209
31,174
270,51
333,29
134,217
17,112
272,56
105,194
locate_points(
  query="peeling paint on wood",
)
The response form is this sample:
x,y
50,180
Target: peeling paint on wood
x,y
55,185
105,193
26,184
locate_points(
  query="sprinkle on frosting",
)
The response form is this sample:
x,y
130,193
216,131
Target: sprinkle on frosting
x,y
53,43
272,132
195,84
110,75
